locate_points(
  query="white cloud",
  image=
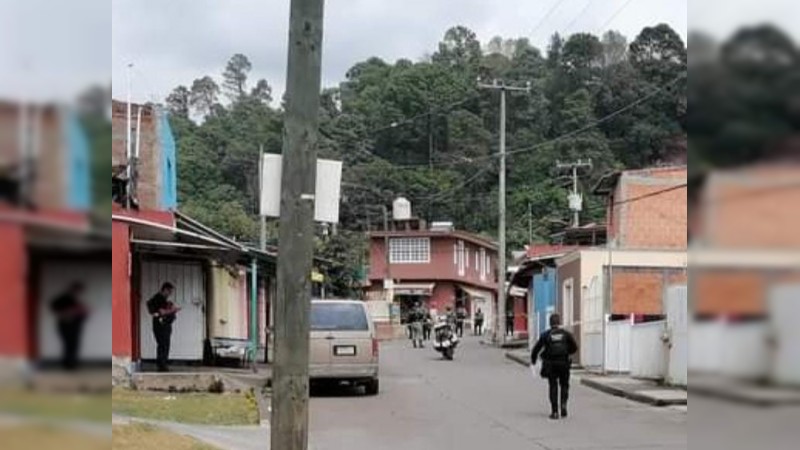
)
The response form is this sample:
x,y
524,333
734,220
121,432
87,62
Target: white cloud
x,y
173,42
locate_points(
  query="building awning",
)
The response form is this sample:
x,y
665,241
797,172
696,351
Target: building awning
x,y
477,294
414,289
517,291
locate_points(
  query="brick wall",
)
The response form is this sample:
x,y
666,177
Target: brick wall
x,y
754,208
729,291
644,216
150,172
638,290
49,191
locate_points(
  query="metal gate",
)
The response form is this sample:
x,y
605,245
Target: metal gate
x,y
784,308
678,333
189,329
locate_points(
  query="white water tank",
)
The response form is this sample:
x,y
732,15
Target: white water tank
x,y
401,209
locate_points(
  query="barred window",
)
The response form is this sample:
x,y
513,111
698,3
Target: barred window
x,y
409,250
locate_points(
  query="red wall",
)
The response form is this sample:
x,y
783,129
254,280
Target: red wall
x,y
520,315
441,266
122,334
14,324
444,295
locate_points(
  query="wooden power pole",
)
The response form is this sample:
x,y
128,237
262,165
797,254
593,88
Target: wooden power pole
x,y
290,386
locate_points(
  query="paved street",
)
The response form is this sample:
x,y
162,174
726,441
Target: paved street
x,y
479,401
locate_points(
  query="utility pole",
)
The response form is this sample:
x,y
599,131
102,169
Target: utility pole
x,y
390,287
530,223
575,198
500,317
296,237
430,136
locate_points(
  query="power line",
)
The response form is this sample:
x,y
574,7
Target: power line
x,y
567,135
613,16
580,14
545,17
651,194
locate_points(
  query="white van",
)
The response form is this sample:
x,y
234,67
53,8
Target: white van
x,y
344,346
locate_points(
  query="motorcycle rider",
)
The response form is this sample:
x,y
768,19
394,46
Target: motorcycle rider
x,y
556,346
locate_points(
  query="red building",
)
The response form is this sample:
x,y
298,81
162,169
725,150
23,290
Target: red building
x,y
438,266
48,237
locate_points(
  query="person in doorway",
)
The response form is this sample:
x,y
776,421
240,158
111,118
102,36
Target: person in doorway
x,y
71,314
416,318
164,313
556,347
510,323
461,317
478,329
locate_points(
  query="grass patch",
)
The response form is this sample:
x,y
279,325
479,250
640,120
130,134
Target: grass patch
x,y
48,405
147,437
50,438
195,408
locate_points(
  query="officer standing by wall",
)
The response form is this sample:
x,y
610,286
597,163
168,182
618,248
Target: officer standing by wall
x,y
556,346
163,312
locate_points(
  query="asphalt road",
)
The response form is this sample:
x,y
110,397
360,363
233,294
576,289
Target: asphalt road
x,y
480,401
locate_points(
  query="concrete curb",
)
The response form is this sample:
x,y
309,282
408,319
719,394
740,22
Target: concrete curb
x,y
264,408
520,359
740,396
634,395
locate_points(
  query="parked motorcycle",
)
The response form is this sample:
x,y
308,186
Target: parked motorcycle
x,y
445,339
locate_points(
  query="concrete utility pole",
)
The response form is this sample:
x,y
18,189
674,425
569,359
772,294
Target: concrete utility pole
x,y
500,317
575,198
386,242
290,386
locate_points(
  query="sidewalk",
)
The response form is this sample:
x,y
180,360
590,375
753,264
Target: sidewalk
x,y
252,437
743,392
643,391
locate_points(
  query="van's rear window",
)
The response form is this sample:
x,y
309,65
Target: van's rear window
x,y
338,316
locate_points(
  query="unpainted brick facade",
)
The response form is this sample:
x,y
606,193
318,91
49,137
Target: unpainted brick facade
x,y
647,209
640,290
48,143
150,174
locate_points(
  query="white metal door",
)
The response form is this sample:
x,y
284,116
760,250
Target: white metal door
x,y
189,329
784,308
55,278
678,332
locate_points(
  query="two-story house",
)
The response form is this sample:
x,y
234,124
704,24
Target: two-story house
x,y
437,266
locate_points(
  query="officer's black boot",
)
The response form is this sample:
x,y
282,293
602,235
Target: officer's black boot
x,y
563,410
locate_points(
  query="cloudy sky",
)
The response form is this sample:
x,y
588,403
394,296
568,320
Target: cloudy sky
x,y
52,49
173,42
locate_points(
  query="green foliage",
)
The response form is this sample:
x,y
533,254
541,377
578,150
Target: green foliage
x,y
425,131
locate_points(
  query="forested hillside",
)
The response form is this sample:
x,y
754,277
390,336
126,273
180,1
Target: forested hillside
x,y
423,129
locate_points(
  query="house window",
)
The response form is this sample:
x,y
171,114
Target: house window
x,y
466,257
477,262
484,264
455,254
409,250
461,258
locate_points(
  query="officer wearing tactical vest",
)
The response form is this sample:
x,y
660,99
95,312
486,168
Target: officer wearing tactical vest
x,y
556,346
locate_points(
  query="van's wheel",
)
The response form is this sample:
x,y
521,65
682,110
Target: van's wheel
x,y
372,387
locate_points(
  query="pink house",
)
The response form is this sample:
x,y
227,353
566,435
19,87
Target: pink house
x,y
437,266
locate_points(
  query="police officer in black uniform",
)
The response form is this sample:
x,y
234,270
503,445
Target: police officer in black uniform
x,y
163,312
556,346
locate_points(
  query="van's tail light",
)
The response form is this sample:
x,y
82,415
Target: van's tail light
x,y
375,347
